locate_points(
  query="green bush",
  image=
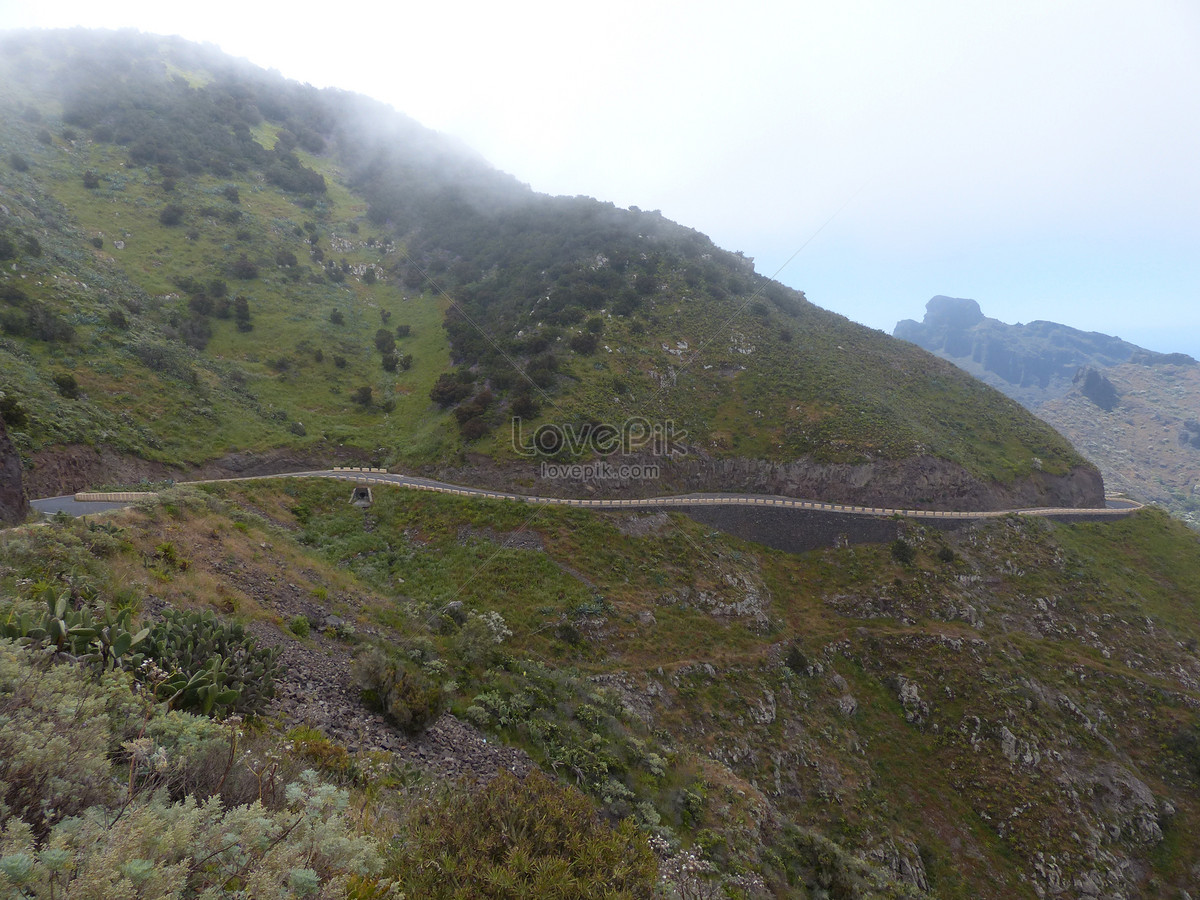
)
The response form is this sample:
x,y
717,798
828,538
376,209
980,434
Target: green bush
x,y
406,697
299,626
531,838
903,552
172,214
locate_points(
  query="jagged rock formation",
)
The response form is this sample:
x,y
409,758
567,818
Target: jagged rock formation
x,y
14,507
1031,363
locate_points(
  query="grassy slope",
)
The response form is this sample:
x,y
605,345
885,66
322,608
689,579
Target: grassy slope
x,y
1073,639
231,397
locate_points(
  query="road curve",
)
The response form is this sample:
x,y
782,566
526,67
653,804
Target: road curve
x,y
1116,508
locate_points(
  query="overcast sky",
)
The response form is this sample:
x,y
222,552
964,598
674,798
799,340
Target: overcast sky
x,y
1041,157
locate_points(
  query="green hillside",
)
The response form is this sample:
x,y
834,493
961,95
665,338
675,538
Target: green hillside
x,y
1001,712
202,258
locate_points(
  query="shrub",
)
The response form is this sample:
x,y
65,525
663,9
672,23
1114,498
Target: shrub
x,y
449,389
53,738
796,660
91,179
585,343
98,243
403,331
156,848
405,696
521,838
18,162
337,318
67,386
172,214
362,395
903,552
299,626
243,268
241,312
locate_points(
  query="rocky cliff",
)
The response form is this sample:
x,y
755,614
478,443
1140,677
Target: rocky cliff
x,y
14,507
1031,362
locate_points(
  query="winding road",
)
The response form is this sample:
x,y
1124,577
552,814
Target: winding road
x,y
88,502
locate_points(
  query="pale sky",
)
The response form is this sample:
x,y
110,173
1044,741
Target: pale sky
x,y
1040,157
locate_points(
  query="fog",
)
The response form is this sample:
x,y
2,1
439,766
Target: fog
x,y
1038,157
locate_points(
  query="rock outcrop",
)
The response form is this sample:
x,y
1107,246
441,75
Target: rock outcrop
x,y
14,507
1097,388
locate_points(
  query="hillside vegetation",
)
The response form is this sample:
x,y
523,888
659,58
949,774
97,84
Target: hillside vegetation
x,y
1004,711
202,258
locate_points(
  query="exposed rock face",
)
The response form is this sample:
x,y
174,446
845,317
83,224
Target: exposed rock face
x,y
1030,363
1097,388
921,482
14,507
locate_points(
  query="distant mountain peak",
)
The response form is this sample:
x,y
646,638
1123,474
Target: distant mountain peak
x,y
1031,362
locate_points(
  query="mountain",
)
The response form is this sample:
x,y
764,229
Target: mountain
x,y
210,269
1130,410
262,688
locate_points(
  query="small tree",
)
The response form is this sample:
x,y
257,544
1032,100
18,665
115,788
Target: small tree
x,y
241,312
362,395
384,342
